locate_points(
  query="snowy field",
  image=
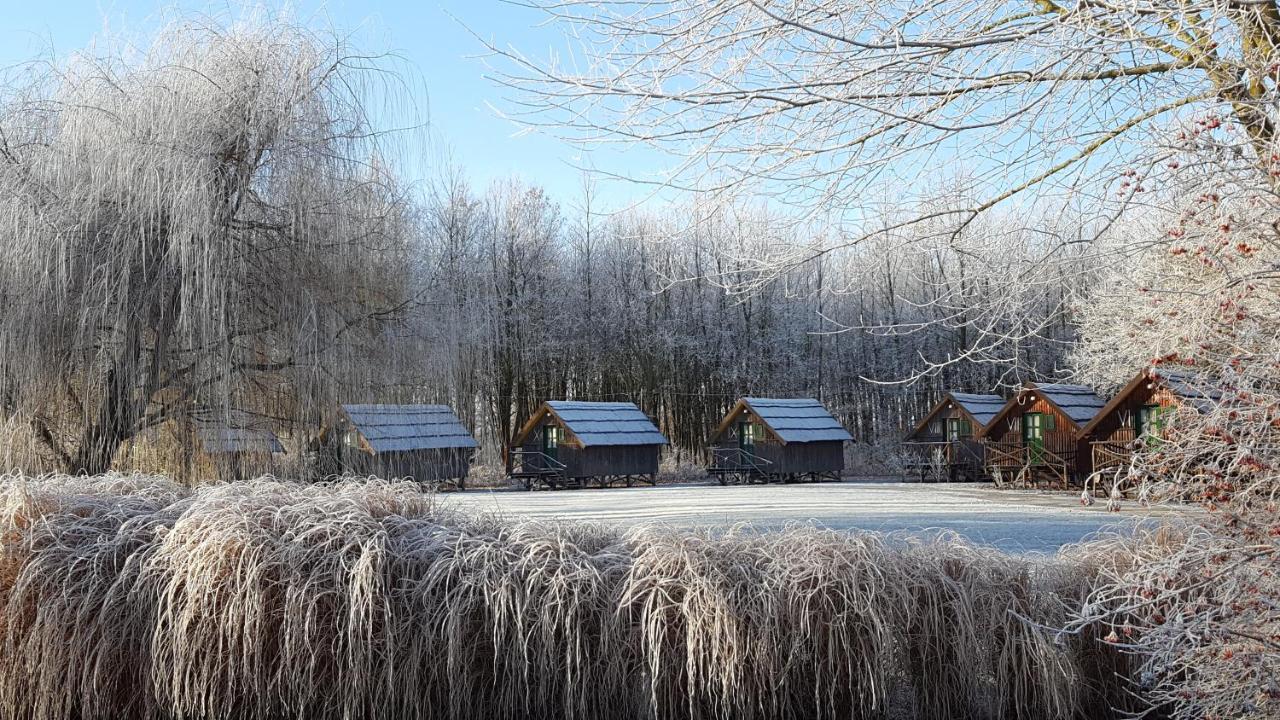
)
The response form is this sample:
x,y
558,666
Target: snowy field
x,y
1014,520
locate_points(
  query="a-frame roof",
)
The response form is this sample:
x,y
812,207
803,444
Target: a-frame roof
x,y
1079,403
598,423
980,409
234,431
1188,387
401,428
791,420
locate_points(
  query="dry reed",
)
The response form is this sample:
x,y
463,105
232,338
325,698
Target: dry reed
x,y
131,597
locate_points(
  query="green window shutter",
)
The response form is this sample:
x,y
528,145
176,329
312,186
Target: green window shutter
x,y
1048,421
966,428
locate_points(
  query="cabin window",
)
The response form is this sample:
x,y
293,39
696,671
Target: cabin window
x,y
350,438
554,436
1150,420
749,433
958,429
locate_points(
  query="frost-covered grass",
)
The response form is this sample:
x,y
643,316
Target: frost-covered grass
x,y
131,597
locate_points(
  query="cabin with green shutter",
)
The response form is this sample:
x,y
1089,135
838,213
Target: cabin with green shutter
x,y
568,443
1138,414
766,440
1035,438
943,446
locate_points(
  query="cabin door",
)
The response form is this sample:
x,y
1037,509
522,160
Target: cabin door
x,y
747,437
551,441
1033,427
958,429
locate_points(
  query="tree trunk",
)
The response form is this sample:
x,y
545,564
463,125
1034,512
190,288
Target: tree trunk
x,y
98,447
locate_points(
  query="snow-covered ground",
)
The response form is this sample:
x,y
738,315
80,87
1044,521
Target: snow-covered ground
x,y
1018,521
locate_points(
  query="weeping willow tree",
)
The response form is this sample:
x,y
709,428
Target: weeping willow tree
x,y
204,225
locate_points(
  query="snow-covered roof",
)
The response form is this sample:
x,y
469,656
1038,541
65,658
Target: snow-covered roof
x,y
399,428
234,431
1079,402
798,420
223,439
982,407
607,423
1190,387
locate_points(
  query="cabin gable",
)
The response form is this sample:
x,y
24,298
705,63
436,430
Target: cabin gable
x,y
743,419
948,420
589,440
779,437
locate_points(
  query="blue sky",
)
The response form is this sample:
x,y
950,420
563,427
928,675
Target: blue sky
x,y
434,36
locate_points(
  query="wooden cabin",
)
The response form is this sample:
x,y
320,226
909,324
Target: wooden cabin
x,y
944,445
571,443
1137,415
426,443
778,440
1035,437
237,444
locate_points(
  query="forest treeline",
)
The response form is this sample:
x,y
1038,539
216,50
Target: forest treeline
x,y
202,235
520,299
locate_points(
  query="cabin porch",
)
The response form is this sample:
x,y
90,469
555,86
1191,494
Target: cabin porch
x,y
945,460
1021,464
739,466
567,467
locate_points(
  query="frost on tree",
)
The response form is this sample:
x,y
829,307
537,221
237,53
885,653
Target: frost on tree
x,y
203,224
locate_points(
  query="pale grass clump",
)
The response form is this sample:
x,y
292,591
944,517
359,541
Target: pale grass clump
x,y
130,597
76,610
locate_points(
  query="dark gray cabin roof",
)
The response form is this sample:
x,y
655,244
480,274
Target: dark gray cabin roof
x,y
1079,402
798,420
982,407
233,433
401,428
1190,388
607,423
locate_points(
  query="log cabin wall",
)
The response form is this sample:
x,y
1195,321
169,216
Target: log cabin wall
x,y
936,429
790,459
1060,441
591,461
1119,425
813,457
419,465
604,460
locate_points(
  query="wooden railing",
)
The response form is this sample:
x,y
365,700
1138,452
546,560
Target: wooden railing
x,y
1058,464
520,460
954,452
945,460
1005,454
737,460
1025,465
1108,454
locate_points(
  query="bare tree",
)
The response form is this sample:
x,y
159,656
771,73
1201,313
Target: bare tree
x,y
208,224
819,100
847,113
1200,308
